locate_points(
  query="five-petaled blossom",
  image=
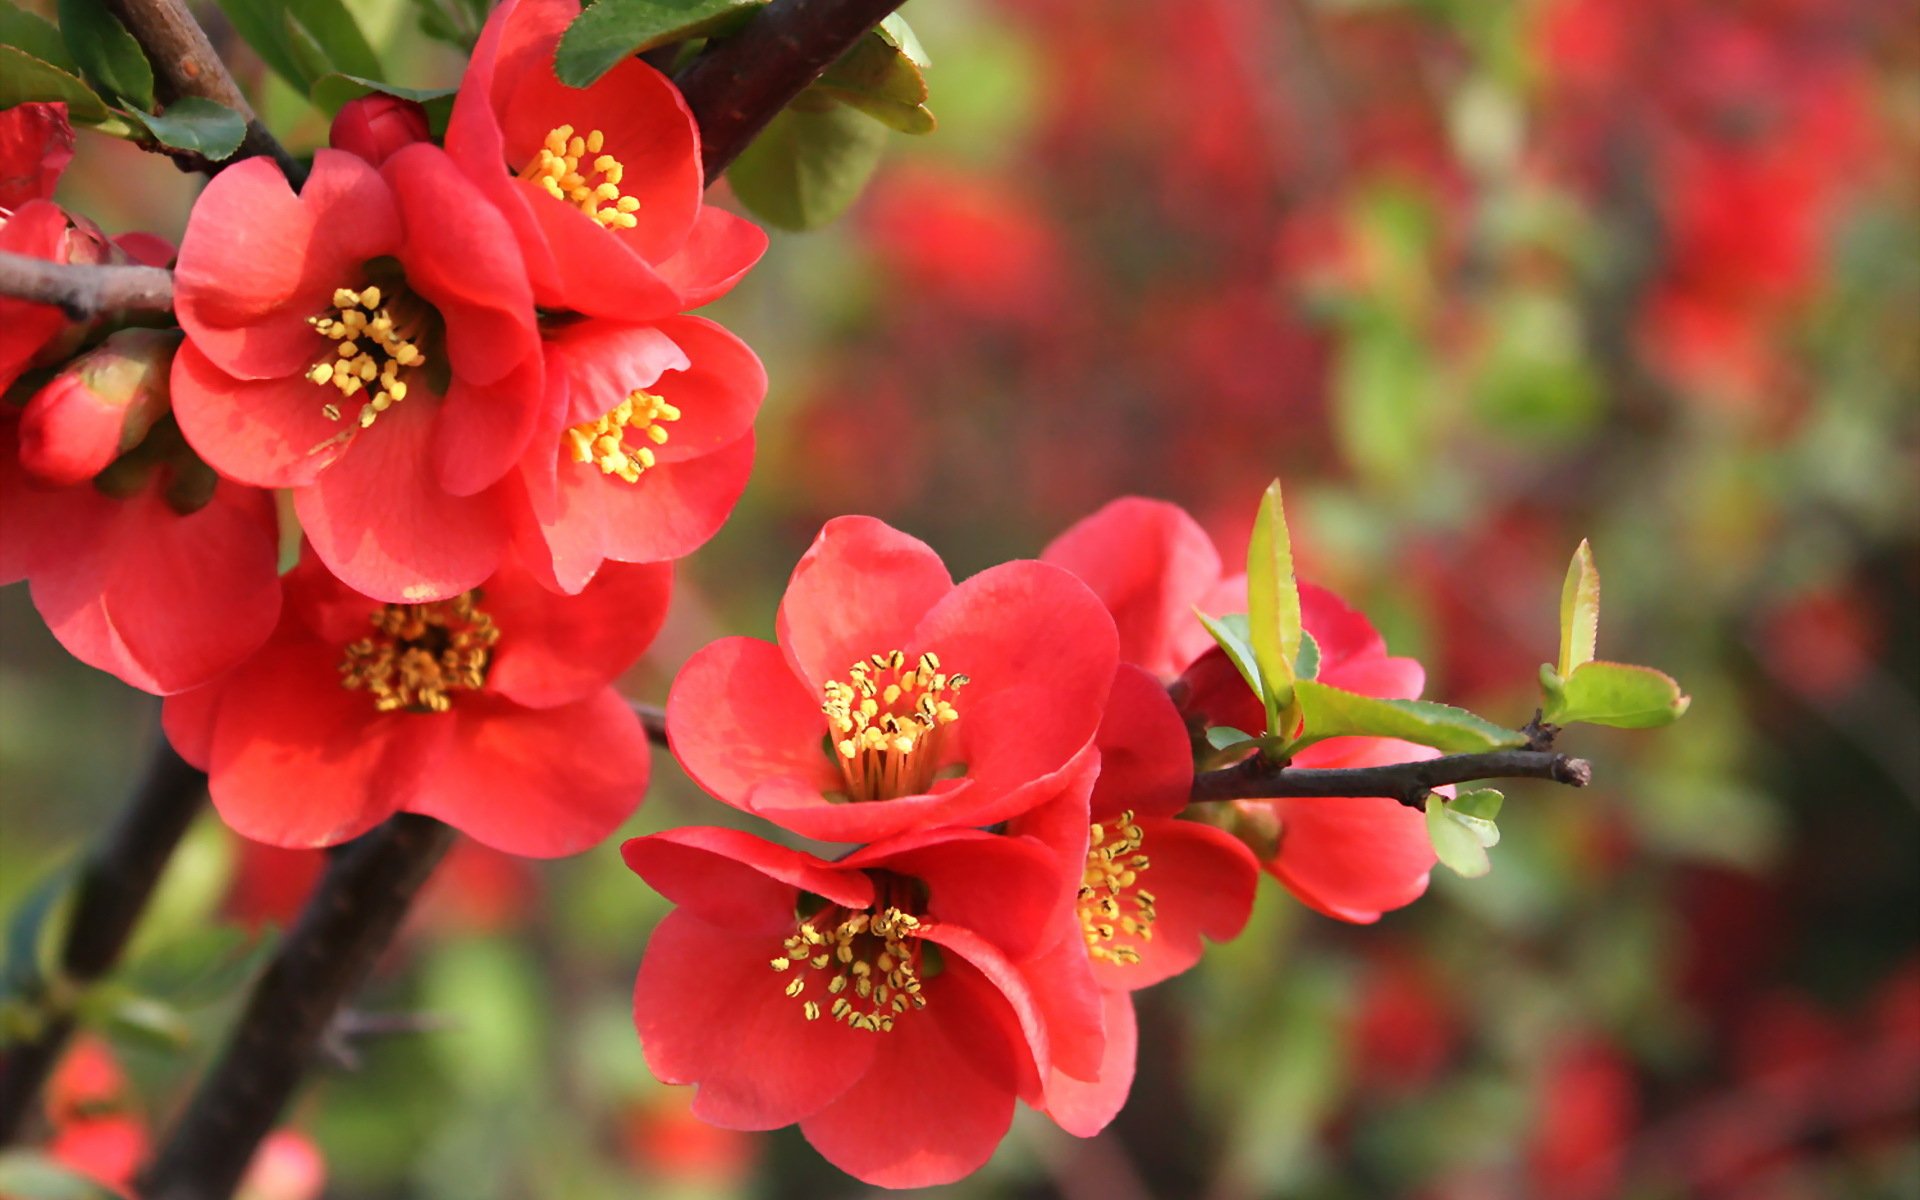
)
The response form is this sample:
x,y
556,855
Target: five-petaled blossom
x,y
491,710
1353,857
896,700
888,1001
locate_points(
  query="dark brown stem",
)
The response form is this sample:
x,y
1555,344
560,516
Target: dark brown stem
x,y
653,720
186,64
84,290
739,84
114,883
346,924
1409,782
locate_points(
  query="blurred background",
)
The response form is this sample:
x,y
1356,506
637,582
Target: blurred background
x,y
1476,279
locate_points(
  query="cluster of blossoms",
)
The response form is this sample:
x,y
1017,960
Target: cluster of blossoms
x,y
466,371
1012,758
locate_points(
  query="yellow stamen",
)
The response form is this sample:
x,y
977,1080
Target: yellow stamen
x,y
421,654
370,351
888,722
1114,866
604,442
876,958
594,188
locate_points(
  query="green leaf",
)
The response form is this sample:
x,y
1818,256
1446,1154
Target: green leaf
x,y
1307,664
129,1016
881,76
330,93
1225,737
35,35
1230,632
29,1175
303,40
1481,803
1460,839
1616,694
1331,712
200,967
25,79
106,52
808,165
1579,610
612,30
202,126
1273,605
329,26
34,931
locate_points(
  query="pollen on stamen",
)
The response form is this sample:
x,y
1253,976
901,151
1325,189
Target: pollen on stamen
x,y
872,975
605,442
888,722
593,188
371,348
421,655
1111,920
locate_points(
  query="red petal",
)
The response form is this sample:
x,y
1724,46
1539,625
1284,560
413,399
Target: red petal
x,y
539,782
1341,632
860,589
555,650
737,719
606,361
1063,988
482,430
1084,1108
1146,756
740,882
1150,563
720,248
711,1011
188,721
1005,889
267,432
1203,882
381,523
1378,675
1354,858
718,391
597,273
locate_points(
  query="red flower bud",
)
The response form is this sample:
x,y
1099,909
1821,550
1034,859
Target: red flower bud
x,y
99,407
36,144
377,125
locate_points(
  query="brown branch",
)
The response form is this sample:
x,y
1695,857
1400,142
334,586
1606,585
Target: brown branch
x,y
114,884
350,918
83,290
740,83
186,64
1409,782
653,720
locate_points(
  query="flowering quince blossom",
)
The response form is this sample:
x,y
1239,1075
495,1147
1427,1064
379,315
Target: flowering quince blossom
x,y
879,1000
1352,858
896,700
601,185
492,711
650,445
370,343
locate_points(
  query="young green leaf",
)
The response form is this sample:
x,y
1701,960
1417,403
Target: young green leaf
x,y
1230,632
30,1175
612,30
25,79
808,165
881,77
1579,610
106,52
1332,712
1273,604
1481,803
35,35
1461,839
1306,665
1225,737
1616,694
211,130
302,40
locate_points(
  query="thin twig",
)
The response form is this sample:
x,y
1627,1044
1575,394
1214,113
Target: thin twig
x,y
653,720
1409,782
84,290
186,64
350,918
113,886
741,82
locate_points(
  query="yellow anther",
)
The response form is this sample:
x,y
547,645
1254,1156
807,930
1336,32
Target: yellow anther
x,y
574,169
603,442
1113,869
420,655
370,345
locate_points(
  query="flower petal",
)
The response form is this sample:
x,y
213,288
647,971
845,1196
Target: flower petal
x,y
718,390
556,650
730,878
860,589
1146,755
1005,889
265,432
1354,858
1082,1107
736,718
720,248
1203,881
1150,563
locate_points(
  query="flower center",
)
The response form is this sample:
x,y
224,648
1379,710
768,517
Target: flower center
x,y
872,966
420,654
595,190
1114,867
370,351
888,723
604,442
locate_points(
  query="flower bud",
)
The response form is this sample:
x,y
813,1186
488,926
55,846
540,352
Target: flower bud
x,y
377,125
36,144
99,407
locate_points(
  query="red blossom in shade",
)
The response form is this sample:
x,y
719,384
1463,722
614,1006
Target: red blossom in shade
x,y
369,343
877,1000
1351,858
36,144
156,572
651,445
601,185
895,700
99,407
38,229
378,126
492,711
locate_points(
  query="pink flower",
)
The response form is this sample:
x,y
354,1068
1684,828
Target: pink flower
x,y
895,700
492,711
877,1000
601,185
369,343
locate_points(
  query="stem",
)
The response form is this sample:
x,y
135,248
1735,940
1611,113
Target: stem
x,y
186,64
653,720
349,920
741,82
1409,782
84,290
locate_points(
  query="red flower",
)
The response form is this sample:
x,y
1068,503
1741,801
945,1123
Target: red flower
x,y
36,144
369,343
601,185
378,126
491,711
895,700
1151,563
156,572
38,229
875,1000
650,447
100,406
